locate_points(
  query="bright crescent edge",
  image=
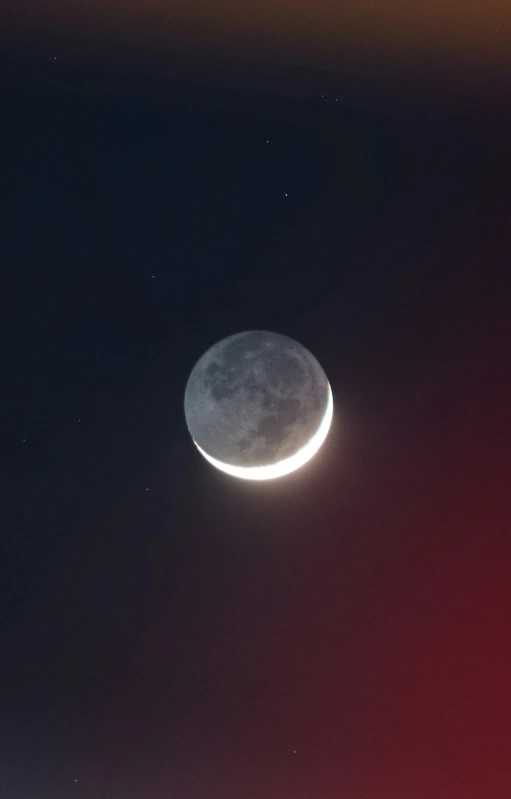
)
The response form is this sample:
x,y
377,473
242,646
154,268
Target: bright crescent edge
x,y
285,466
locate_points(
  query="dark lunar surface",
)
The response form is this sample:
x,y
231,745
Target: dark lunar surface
x,y
255,398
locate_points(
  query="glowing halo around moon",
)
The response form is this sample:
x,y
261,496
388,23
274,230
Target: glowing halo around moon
x,y
285,466
258,405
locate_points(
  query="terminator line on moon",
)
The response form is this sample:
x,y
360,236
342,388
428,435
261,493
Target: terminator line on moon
x,y
258,405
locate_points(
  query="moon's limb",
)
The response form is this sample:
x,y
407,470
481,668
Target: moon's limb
x,y
285,466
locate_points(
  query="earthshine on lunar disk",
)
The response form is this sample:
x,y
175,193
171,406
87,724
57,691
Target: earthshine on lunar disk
x,y
258,405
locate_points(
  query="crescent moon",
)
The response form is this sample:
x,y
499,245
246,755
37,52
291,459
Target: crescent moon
x,y
258,405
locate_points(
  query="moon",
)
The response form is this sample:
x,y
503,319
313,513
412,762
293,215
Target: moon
x,y
258,405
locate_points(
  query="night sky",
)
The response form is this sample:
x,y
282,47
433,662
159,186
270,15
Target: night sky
x,y
168,631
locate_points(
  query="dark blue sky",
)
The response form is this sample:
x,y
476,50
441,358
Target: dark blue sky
x,y
168,631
